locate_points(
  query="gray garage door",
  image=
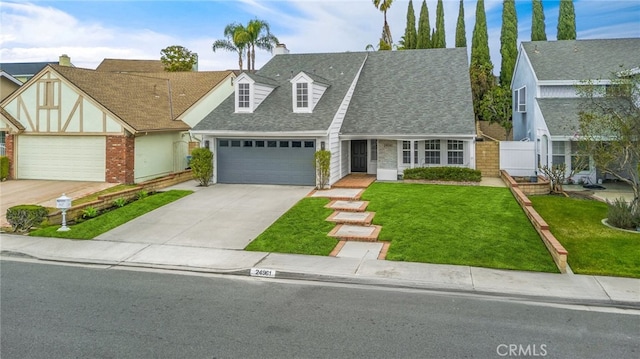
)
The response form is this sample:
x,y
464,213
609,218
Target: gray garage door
x,y
266,161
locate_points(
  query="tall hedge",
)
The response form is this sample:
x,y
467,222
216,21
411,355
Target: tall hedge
x,y
4,168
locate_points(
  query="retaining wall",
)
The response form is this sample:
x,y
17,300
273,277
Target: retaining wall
x,y
557,251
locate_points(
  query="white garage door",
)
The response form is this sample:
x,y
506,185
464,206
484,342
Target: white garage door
x,y
71,158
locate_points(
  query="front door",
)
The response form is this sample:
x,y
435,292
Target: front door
x,y
359,156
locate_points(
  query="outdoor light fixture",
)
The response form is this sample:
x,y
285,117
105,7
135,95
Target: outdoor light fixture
x,y
63,203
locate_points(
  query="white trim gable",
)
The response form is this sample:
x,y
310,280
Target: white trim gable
x,y
257,92
309,96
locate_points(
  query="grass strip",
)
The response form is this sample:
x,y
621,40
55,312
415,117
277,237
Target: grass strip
x,y
301,230
593,247
93,227
462,225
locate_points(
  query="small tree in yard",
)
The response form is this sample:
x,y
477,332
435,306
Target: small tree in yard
x,y
558,176
202,165
609,129
323,167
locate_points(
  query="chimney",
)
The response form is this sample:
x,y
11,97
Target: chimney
x,y
194,68
64,60
280,49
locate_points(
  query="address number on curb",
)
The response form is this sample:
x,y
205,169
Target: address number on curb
x,y
257,272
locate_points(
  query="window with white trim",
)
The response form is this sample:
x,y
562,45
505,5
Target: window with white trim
x,y
520,99
579,161
302,95
432,152
406,151
455,152
243,96
557,153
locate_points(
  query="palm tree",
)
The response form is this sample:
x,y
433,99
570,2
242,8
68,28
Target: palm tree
x,y
235,41
258,35
384,5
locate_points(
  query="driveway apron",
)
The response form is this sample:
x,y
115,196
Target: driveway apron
x,y
224,216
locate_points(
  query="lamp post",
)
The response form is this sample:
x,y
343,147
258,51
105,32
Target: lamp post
x,y
63,203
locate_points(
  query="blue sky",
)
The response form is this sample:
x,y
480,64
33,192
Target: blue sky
x,y
89,31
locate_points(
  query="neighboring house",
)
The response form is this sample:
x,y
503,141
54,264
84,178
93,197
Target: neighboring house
x,y
377,112
125,65
24,71
8,84
545,93
70,123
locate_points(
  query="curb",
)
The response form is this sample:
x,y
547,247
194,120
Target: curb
x,y
367,282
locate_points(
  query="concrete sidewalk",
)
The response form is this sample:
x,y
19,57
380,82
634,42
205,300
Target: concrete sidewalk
x,y
559,288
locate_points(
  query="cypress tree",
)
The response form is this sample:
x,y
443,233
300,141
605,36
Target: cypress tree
x,y
566,21
424,28
480,40
410,34
481,68
461,35
440,38
537,22
508,42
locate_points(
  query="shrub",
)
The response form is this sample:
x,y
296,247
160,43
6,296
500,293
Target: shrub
x,y
142,194
622,214
202,165
459,174
323,167
4,168
119,202
25,216
89,212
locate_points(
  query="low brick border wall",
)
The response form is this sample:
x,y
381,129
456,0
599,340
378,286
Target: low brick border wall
x,y
541,187
557,251
106,200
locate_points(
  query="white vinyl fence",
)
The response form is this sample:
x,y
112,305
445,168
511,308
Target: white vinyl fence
x,y
518,158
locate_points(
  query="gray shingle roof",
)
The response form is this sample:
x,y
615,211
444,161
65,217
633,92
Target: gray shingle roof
x,y
561,114
407,92
413,92
582,59
275,113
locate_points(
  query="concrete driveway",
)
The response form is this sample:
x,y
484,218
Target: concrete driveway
x,y
43,192
224,216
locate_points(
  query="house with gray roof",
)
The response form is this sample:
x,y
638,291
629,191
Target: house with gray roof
x,y
377,112
546,100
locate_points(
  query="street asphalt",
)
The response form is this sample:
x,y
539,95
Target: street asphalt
x,y
206,231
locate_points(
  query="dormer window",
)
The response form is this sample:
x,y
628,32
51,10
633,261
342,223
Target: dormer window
x,y
250,91
306,91
302,95
243,96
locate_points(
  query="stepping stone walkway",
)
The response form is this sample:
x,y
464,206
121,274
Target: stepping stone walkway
x,y
352,219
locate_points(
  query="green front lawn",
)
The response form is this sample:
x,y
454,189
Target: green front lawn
x,y
593,248
463,225
93,227
302,230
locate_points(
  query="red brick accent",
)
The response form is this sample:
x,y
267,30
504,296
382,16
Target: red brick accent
x,y
120,159
9,147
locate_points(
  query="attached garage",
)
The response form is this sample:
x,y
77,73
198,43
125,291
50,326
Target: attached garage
x,y
71,158
266,161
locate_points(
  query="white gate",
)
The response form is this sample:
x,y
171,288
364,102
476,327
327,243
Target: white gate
x,y
518,158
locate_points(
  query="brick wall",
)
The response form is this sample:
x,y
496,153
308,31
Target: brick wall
x,y
488,158
9,148
120,159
